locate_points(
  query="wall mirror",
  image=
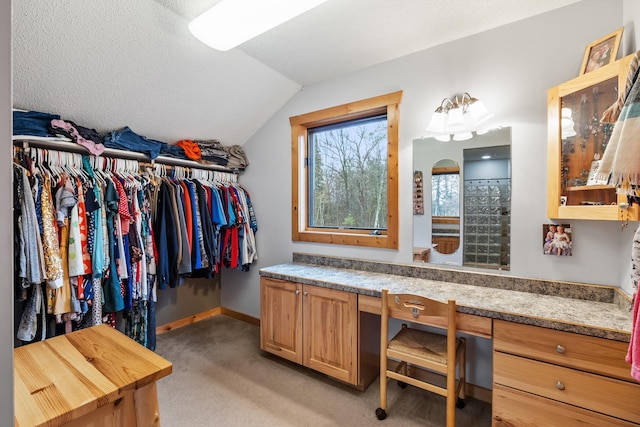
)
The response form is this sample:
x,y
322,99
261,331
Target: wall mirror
x,y
467,219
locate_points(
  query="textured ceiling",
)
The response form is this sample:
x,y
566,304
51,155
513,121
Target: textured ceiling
x,y
110,64
340,36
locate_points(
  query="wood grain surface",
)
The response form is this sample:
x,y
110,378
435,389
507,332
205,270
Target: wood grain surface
x,y
67,377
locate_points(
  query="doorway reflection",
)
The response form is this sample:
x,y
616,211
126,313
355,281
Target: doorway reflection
x,y
445,207
487,207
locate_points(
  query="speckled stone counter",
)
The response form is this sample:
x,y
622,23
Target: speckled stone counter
x,y
580,308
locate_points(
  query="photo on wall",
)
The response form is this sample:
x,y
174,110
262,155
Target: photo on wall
x,y
557,239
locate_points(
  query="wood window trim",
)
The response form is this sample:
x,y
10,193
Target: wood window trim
x,y
300,231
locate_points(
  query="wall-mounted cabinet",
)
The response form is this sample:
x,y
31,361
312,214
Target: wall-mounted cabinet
x,y
576,142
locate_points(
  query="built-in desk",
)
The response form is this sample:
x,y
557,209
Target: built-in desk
x,y
91,377
583,328
599,311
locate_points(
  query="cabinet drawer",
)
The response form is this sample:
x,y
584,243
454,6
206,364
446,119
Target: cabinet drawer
x,y
591,354
516,408
601,394
467,323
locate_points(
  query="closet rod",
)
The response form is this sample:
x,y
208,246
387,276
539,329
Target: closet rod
x,y
61,144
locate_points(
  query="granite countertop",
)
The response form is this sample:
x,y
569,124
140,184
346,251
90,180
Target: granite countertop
x,y
566,313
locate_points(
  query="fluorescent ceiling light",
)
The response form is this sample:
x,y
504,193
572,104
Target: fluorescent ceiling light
x,y
232,22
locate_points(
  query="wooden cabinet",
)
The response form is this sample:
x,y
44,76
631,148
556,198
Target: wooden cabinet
x,y
445,244
281,318
577,140
310,325
544,377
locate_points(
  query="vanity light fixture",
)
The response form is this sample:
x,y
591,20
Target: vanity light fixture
x,y
459,117
232,22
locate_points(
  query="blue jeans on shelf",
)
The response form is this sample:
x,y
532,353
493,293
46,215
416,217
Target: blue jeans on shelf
x,y
34,123
126,139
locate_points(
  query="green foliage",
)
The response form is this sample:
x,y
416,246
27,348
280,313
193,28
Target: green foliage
x,y
348,186
349,221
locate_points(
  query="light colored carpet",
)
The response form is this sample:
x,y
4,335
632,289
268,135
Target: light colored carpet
x,y
222,378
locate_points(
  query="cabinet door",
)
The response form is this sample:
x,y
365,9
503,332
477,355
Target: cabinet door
x,y
281,318
576,142
330,332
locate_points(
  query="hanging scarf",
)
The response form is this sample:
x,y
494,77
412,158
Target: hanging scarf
x,y
621,160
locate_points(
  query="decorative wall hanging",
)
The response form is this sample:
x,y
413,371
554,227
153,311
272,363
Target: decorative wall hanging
x,y
557,240
418,197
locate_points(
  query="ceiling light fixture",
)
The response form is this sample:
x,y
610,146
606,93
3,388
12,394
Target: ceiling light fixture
x,y
232,22
458,117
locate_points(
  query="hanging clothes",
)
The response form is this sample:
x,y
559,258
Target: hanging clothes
x,y
104,238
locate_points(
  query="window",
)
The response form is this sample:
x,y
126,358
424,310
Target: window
x,y
345,174
445,194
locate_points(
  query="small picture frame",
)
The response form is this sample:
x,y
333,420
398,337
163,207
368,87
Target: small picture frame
x,y
601,52
557,239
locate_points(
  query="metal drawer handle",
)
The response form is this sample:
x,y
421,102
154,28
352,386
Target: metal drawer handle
x,y
297,291
560,349
305,293
559,385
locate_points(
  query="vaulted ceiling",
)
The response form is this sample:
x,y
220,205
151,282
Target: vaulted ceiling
x,y
340,36
120,63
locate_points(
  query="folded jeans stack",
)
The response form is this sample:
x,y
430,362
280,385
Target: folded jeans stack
x,y
127,139
33,123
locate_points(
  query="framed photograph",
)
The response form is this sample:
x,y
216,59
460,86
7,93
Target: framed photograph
x,y
557,239
601,52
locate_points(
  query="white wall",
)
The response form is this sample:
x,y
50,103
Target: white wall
x,y
6,247
510,69
631,36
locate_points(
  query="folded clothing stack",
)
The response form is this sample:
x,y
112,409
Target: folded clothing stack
x,y
212,151
88,138
36,123
237,157
127,139
191,149
33,123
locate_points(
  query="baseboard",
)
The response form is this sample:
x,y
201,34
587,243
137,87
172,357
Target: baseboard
x,y
241,316
188,320
205,315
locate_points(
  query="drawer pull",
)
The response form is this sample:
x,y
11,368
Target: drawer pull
x,y
305,293
559,385
297,291
560,349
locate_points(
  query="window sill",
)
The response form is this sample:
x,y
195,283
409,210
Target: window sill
x,y
336,238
